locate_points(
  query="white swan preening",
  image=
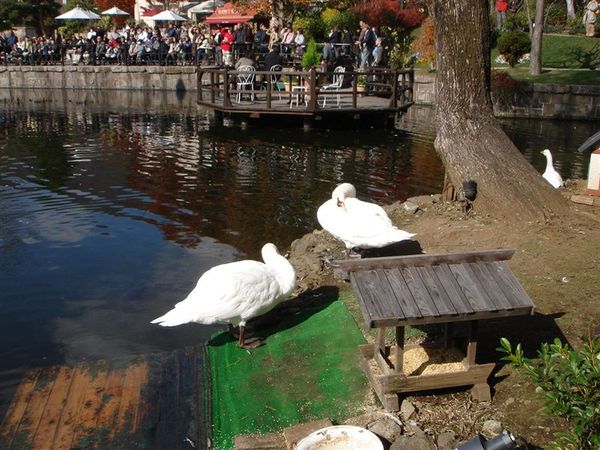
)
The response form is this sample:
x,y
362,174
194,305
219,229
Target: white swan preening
x,y
551,175
236,292
356,223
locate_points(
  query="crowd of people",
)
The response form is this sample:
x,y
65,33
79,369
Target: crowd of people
x,y
192,45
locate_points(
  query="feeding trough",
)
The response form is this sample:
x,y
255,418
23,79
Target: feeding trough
x,y
341,437
432,289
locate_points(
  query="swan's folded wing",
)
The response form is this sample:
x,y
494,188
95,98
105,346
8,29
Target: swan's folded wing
x,y
229,291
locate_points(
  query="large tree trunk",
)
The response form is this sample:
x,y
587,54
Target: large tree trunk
x,y
570,8
469,139
535,64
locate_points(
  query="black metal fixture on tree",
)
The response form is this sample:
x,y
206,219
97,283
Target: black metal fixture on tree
x,y
504,441
467,195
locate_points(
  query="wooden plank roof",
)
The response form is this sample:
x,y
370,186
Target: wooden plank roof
x,y
436,288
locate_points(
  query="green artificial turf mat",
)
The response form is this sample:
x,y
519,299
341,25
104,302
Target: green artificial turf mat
x,y
308,369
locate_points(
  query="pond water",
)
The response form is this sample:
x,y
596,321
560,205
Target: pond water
x,y
107,218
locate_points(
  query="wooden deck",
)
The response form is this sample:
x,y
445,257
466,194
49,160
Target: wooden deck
x,y
376,95
153,401
432,289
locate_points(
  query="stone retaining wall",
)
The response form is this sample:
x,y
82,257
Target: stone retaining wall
x,y
547,101
168,78
542,101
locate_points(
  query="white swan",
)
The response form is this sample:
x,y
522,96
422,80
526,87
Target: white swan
x,y
551,175
357,223
234,293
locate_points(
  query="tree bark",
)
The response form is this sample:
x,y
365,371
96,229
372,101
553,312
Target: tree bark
x,y
469,139
570,8
535,62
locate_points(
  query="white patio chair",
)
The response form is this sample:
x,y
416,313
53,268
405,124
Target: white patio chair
x,y
338,81
244,80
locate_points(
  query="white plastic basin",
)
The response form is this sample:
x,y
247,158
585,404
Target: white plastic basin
x,y
340,437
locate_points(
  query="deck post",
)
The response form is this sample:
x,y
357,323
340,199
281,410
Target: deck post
x,y
354,84
269,87
394,99
312,103
226,99
212,87
199,86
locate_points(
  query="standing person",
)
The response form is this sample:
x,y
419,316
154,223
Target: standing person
x,y
589,18
226,45
501,8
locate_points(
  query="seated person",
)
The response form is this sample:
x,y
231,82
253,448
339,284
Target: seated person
x,y
273,58
245,60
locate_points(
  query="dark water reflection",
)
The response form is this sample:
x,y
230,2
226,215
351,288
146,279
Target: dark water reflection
x,y
108,216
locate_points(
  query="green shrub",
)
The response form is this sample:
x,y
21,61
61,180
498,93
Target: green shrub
x,y
570,383
312,27
311,57
513,45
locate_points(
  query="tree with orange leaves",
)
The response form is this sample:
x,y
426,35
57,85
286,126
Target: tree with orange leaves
x,y
125,5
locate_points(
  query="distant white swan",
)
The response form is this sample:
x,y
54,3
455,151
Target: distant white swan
x,y
551,175
356,223
234,293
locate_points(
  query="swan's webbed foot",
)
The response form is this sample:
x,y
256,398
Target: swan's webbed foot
x,y
249,343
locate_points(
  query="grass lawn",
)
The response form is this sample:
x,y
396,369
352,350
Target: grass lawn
x,y
561,54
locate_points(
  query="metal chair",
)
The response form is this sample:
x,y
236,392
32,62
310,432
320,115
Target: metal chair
x,y
275,77
338,81
244,79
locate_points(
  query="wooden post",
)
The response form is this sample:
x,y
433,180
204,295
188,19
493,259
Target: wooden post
x,y
394,99
312,104
399,366
469,360
269,86
380,343
448,334
354,84
226,99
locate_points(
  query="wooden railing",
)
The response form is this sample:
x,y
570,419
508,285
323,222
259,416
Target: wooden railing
x,y
304,91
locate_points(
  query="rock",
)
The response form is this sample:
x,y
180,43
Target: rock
x,y
274,441
416,442
363,420
410,207
446,441
509,401
407,409
491,428
296,433
386,428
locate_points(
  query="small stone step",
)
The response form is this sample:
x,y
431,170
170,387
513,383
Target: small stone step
x,y
296,433
272,441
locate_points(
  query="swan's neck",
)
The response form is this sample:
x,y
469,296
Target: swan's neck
x,y
284,271
549,161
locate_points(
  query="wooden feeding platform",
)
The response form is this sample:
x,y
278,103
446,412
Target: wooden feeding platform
x,y
372,97
151,401
432,289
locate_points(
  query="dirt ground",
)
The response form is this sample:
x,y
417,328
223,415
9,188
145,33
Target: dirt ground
x,y
557,262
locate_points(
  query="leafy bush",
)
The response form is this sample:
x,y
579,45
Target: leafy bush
x,y
513,45
312,27
570,383
332,17
311,57
424,44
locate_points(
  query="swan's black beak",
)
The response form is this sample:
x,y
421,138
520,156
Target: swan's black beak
x,y
340,203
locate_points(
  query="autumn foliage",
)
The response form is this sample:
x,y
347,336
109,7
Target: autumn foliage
x,y
125,5
424,44
390,13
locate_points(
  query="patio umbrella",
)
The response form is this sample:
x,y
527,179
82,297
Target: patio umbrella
x,y
206,7
168,15
114,11
78,13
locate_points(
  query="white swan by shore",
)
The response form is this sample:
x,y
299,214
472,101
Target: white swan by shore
x,y
236,292
551,175
356,223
